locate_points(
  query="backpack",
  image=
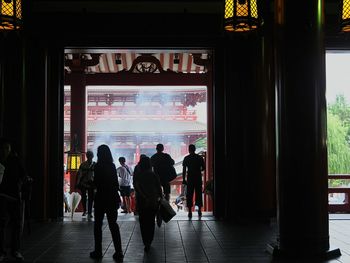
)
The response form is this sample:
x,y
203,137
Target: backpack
x,y
171,173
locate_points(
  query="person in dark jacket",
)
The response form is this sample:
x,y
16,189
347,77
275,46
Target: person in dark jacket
x,y
10,199
137,170
107,201
85,180
193,165
149,192
161,163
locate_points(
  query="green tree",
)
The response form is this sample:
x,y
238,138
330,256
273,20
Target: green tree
x,y
341,108
338,147
201,143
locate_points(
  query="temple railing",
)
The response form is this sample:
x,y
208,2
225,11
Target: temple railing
x,y
339,193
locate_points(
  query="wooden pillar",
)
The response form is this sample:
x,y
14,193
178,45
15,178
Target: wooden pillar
x,y
265,121
78,116
12,92
301,151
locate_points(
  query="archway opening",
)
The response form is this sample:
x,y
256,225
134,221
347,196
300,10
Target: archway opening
x,y
133,100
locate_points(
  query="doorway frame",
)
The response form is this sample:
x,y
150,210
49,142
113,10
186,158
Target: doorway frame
x,y
168,79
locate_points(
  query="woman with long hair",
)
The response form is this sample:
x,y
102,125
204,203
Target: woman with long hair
x,y
107,201
148,188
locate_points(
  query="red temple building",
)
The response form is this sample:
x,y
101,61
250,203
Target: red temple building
x,y
133,119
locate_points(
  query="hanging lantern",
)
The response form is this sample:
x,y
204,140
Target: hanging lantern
x,y
74,157
73,161
345,16
241,15
10,14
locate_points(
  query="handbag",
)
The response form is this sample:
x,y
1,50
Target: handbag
x,y
165,210
159,218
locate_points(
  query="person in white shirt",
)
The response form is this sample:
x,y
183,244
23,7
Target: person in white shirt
x,y
124,173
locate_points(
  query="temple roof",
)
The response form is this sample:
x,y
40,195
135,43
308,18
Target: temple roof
x,y
143,127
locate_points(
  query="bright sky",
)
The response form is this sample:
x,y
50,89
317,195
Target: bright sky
x,y
337,75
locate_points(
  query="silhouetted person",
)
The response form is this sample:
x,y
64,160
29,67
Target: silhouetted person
x,y
10,199
125,174
161,163
193,165
85,182
106,201
137,170
149,191
137,167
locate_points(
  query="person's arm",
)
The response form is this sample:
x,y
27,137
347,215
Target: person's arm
x,y
159,186
202,164
79,174
117,181
96,176
171,160
184,172
139,190
152,161
22,174
2,170
118,173
184,175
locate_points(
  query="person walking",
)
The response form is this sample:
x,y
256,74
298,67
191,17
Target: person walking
x,y
162,164
137,170
148,193
85,182
107,201
11,199
125,174
193,165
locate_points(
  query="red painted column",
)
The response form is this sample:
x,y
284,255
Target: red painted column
x,y
210,148
78,115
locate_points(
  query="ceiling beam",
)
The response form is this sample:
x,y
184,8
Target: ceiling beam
x,y
164,7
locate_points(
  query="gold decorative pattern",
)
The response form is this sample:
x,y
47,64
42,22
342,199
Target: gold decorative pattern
x,y
241,15
10,14
345,16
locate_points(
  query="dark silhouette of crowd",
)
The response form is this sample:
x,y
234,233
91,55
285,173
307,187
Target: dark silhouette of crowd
x,y
15,191
100,184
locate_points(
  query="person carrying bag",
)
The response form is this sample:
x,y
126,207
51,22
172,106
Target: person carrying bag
x,y
148,193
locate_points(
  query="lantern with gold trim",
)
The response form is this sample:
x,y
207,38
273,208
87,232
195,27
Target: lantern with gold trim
x,y
241,15
10,14
74,157
74,160
345,16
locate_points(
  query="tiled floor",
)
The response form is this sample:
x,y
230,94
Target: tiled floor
x,y
180,240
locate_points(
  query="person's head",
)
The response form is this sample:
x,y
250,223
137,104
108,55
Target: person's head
x,y
89,155
5,148
142,156
104,154
160,147
145,163
191,148
121,160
